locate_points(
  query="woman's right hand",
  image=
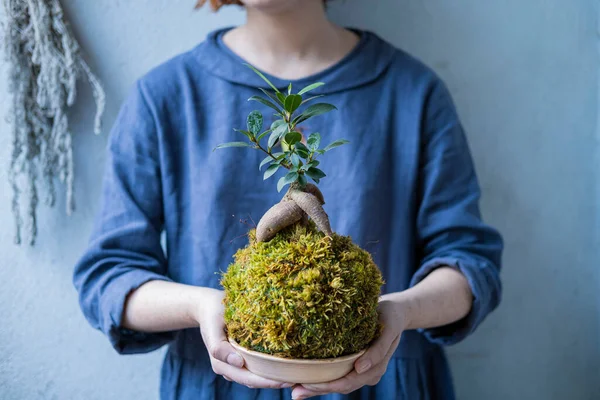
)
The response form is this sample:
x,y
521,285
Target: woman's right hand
x,y
224,359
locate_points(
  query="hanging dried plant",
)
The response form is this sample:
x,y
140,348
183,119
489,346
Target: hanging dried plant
x,y
45,64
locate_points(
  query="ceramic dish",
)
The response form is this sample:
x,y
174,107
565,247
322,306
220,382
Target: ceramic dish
x,y
296,370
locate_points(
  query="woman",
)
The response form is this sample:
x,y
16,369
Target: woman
x,y
405,189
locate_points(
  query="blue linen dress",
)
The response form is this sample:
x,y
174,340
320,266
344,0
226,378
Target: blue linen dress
x,y
405,189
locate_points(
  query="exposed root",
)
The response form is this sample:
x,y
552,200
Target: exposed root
x,y
296,206
312,189
282,214
311,205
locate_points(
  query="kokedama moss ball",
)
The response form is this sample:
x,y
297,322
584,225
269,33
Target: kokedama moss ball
x,y
302,295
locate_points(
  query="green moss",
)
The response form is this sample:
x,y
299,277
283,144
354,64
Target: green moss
x,y
302,295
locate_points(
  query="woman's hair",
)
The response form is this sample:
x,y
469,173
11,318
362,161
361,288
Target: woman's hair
x,y
216,4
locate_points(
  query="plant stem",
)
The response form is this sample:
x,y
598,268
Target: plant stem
x,y
270,154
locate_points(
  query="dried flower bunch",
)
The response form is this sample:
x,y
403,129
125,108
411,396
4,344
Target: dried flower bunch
x,y
45,64
298,290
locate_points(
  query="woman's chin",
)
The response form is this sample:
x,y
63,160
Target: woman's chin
x,y
276,6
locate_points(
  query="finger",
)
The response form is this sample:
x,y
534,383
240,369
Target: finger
x,y
351,382
217,345
245,377
347,384
354,380
301,393
377,352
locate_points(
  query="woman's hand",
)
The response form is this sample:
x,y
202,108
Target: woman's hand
x,y
224,359
369,368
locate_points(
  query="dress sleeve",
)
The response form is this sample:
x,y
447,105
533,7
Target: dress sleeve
x,y
124,251
450,229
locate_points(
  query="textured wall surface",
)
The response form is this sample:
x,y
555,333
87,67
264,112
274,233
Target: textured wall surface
x,y
525,78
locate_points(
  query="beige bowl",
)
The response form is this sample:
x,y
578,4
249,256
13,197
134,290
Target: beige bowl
x,y
296,370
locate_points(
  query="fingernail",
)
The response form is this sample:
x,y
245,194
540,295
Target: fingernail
x,y
296,396
363,366
287,385
235,359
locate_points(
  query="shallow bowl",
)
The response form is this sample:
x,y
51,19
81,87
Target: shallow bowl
x,y
296,370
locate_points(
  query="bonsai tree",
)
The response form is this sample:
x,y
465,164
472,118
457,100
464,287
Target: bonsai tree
x,y
298,290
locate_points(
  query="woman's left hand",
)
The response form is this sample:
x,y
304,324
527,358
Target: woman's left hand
x,y
371,366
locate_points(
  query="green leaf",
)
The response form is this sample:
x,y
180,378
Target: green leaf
x,y
265,161
275,137
277,123
313,111
249,135
295,160
315,173
262,135
279,157
286,180
292,102
303,154
311,99
270,171
281,97
290,88
281,183
233,144
302,180
272,140
311,87
311,164
301,146
335,144
264,78
265,102
314,140
271,96
280,128
269,159
255,122
293,137
302,150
